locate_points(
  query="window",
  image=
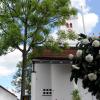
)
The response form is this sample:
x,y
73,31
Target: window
x,y
67,25
70,25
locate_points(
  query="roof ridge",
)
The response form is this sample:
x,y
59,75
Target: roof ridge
x,y
8,91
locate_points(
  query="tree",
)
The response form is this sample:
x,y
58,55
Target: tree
x,y
17,77
86,64
28,23
55,45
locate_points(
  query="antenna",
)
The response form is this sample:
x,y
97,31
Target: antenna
x,y
83,20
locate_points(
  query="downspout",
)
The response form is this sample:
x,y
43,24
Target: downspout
x,y
33,83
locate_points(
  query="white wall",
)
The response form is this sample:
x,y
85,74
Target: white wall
x,y
57,77
4,95
63,87
61,82
43,80
84,92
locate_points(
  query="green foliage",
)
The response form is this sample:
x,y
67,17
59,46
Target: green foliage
x,y
72,35
75,95
63,36
52,44
13,37
37,51
17,77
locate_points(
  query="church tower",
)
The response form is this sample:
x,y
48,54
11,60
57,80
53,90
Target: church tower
x,y
72,24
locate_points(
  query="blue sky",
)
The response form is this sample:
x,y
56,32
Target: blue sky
x,y
8,68
92,24
94,4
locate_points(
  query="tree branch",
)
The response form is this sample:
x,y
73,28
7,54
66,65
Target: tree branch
x,y
19,48
12,9
32,40
41,42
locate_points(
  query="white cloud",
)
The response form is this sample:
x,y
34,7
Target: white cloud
x,y
80,3
8,63
90,18
8,66
4,71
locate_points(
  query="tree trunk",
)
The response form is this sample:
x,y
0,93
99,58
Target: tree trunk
x,y
23,84
24,61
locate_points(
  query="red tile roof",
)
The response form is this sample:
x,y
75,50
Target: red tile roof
x,y
61,55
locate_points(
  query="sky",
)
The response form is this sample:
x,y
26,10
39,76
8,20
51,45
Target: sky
x,y
91,14
92,23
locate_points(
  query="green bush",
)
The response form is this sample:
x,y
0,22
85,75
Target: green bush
x,y
75,95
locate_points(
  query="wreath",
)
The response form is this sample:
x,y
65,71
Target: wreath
x,y
86,63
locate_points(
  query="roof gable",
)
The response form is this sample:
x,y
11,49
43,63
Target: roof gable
x,y
7,91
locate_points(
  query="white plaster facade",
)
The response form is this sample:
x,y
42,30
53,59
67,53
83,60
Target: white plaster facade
x,y
74,22
55,77
6,95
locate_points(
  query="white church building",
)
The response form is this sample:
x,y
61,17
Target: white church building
x,y
51,78
51,74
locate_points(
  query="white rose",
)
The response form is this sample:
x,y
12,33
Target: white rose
x,y
75,67
70,56
79,53
96,43
89,58
85,41
92,76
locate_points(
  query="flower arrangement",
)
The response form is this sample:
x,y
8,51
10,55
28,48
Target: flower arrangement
x,y
86,64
